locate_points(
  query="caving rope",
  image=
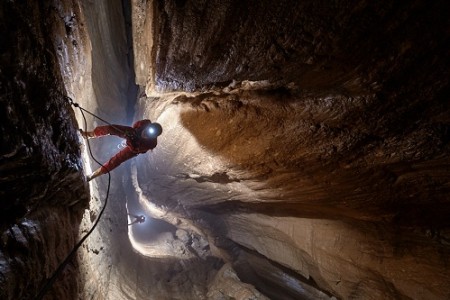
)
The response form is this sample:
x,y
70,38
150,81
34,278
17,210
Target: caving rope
x,y
125,133
62,265
95,116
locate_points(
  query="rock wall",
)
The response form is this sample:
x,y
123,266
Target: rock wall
x,y
314,44
309,134
43,192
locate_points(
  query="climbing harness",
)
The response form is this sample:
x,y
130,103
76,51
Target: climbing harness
x,y
62,265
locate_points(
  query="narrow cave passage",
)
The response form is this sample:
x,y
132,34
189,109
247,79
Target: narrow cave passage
x,y
304,154
256,168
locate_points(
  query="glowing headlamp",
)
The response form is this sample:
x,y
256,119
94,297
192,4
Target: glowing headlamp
x,y
153,130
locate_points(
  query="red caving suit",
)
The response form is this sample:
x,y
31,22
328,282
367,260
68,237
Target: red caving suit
x,y
135,143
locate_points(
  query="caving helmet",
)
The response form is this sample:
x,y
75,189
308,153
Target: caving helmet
x,y
153,130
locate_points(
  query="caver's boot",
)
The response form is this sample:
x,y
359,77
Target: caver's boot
x,y
96,173
87,134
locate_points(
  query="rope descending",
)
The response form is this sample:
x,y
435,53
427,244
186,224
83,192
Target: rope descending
x,y
64,263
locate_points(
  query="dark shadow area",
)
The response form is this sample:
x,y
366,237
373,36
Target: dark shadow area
x,y
132,92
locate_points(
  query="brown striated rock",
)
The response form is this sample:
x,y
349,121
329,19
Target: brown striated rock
x,y
308,112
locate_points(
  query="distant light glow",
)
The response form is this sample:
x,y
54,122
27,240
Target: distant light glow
x,y
122,145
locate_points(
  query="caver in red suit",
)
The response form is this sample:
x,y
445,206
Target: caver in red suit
x,y
139,139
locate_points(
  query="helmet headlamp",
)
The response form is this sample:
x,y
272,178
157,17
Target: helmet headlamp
x,y
153,130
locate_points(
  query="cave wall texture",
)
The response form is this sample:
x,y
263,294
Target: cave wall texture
x,y
40,156
323,137
305,152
